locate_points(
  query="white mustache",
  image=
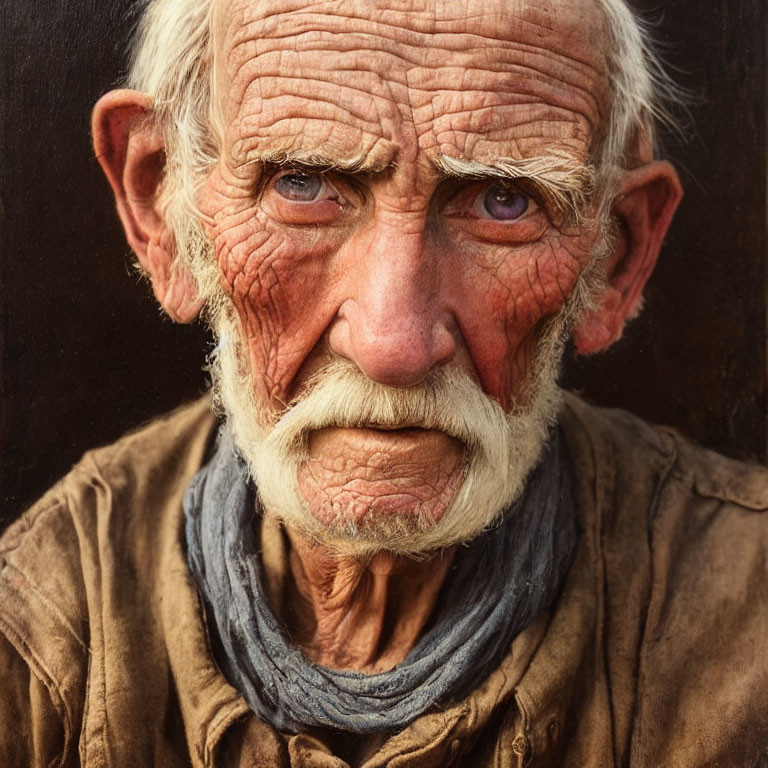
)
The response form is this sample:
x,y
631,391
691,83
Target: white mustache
x,y
500,448
449,400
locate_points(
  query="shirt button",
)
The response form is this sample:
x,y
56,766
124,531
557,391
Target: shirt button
x,y
520,745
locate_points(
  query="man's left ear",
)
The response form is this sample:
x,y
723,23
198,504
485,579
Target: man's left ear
x,y
643,209
129,146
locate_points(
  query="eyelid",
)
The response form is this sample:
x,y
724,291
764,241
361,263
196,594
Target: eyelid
x,y
533,191
272,171
522,187
558,213
335,203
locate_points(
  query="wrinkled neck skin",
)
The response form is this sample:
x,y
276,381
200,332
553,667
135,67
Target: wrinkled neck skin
x,y
345,612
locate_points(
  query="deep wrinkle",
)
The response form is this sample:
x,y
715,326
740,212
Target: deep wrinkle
x,y
408,273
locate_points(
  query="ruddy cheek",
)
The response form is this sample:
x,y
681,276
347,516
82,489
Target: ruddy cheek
x,y
278,282
543,284
513,291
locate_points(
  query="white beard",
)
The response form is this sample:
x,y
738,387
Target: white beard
x,y
500,448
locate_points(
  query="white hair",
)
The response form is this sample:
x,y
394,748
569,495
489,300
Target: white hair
x,y
172,61
500,449
642,90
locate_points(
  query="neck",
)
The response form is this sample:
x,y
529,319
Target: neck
x,y
346,612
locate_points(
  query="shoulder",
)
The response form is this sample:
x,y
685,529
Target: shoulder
x,y
112,486
695,511
150,462
627,448
65,559
705,648
688,528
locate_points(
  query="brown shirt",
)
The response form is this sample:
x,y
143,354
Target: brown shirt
x,y
656,653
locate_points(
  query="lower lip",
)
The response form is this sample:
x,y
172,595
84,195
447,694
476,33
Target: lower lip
x,y
405,443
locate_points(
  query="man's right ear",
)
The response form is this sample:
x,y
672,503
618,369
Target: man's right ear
x,y
130,148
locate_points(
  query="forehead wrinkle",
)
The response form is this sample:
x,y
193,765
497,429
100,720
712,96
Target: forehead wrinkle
x,y
419,35
380,105
324,130
421,55
583,16
275,87
467,46
546,68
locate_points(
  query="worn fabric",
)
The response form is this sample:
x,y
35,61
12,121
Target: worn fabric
x,y
654,654
499,584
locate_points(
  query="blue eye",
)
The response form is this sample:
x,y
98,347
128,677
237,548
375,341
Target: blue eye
x,y
299,186
504,204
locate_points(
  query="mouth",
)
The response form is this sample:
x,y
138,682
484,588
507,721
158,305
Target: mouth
x,y
398,428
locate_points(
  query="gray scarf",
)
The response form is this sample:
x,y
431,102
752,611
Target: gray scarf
x,y
498,584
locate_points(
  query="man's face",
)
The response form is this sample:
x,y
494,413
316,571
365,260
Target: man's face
x,y
343,232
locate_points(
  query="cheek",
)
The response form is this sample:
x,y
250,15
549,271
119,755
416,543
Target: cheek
x,y
278,282
503,301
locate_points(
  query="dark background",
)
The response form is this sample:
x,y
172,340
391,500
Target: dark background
x,y
85,353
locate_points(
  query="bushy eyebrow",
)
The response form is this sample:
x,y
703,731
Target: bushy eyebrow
x,y
317,161
559,178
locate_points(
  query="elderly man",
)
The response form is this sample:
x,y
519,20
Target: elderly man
x,y
403,545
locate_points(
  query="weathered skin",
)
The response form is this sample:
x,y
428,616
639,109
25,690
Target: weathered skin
x,y
377,280
394,278
352,473
347,616
392,266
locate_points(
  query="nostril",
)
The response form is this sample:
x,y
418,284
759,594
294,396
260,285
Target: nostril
x,y
444,344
